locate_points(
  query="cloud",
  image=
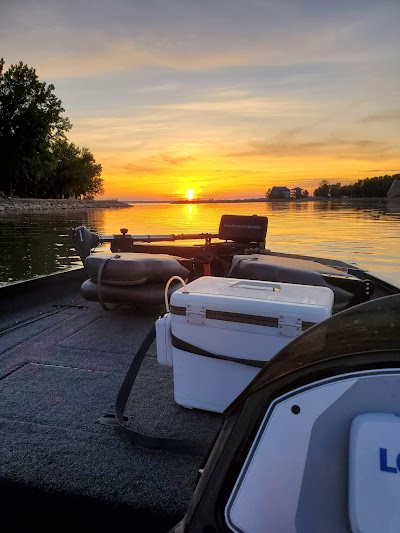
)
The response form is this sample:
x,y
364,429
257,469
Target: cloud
x,y
163,88
87,40
243,106
157,163
380,170
383,116
177,160
327,147
140,168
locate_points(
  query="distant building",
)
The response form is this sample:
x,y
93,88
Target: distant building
x,y
296,192
279,192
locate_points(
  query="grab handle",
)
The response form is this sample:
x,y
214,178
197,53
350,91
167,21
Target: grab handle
x,y
256,285
166,289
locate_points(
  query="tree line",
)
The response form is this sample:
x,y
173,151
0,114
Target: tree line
x,y
364,188
36,158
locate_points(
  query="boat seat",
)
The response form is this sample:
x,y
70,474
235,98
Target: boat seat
x,y
348,290
136,279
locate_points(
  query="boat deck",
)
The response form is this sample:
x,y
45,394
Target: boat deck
x,y
63,360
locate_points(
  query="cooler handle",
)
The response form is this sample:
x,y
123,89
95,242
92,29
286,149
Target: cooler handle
x,y
250,284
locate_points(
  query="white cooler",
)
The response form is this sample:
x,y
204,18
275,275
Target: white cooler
x,y
220,331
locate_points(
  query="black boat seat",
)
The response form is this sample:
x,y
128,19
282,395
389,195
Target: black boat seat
x,y
137,279
146,295
136,269
348,290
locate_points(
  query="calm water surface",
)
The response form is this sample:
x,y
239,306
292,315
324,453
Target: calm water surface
x,y
362,232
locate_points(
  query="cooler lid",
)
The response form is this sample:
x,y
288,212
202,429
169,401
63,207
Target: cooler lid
x,y
253,297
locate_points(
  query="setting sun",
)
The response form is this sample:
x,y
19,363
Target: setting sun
x,y
190,195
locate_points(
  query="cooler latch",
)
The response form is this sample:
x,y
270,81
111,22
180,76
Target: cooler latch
x,y
195,314
289,326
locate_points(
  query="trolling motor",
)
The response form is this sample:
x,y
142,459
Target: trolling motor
x,y
84,241
236,229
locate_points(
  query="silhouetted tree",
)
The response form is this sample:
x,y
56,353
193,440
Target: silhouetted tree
x,y
36,159
75,173
376,187
30,121
323,190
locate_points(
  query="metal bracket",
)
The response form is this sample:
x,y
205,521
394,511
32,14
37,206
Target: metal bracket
x,y
196,314
289,326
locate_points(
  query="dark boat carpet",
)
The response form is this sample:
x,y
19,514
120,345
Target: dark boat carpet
x,y
62,365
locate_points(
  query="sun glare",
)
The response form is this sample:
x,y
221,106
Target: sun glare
x,y
190,195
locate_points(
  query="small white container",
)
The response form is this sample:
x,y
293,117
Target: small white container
x,y
245,322
163,340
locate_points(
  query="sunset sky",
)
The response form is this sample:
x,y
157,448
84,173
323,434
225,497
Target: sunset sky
x,y
222,97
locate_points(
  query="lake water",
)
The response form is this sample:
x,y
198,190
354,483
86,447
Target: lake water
x,y
363,232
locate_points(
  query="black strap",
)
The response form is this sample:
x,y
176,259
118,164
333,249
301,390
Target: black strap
x,y
99,275
191,348
147,441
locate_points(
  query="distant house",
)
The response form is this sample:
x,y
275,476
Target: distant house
x,y
279,192
296,192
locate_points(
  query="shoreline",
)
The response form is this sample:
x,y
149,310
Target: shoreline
x,y
8,205
52,204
